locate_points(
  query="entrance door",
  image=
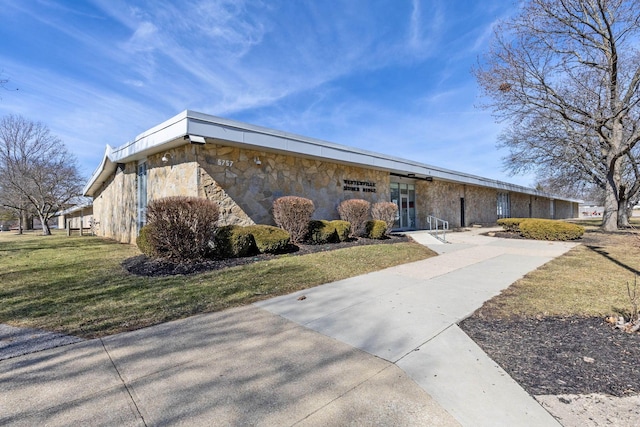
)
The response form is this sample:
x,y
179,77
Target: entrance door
x,y
404,211
462,221
404,196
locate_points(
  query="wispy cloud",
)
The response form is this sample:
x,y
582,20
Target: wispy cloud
x,y
386,75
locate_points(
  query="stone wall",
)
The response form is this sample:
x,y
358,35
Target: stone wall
x,y
520,205
246,190
540,207
177,177
246,182
480,205
566,209
441,199
115,208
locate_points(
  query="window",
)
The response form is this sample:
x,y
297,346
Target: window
x,y
504,207
142,194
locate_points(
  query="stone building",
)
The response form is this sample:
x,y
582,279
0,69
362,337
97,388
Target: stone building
x,y
245,168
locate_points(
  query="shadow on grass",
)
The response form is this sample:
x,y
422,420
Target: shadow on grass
x,y
601,251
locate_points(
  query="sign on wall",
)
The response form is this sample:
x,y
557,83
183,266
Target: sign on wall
x,y
359,186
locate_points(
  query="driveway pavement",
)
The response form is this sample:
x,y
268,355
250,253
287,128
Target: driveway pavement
x,y
379,349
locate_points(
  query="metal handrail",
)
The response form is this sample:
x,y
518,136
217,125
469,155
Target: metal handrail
x,y
439,224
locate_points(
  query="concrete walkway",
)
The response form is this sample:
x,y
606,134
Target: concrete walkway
x,y
408,314
388,353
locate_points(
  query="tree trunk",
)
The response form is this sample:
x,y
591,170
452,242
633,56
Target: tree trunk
x,y
623,215
46,231
623,207
610,214
20,223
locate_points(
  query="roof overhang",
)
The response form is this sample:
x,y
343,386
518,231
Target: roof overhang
x,y
193,127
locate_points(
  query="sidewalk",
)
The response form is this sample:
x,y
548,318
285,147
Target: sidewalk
x,y
388,353
408,314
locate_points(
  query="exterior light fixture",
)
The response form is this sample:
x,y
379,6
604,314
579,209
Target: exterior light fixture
x,y
428,178
166,157
411,175
257,160
195,139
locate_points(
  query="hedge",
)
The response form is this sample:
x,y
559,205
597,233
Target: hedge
x,y
323,231
233,241
375,229
511,224
548,229
269,239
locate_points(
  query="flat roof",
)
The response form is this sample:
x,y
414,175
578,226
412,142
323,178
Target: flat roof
x,y
188,125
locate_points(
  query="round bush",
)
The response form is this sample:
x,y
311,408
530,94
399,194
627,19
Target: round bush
x,y
321,232
343,229
269,239
233,241
385,211
356,212
143,243
293,214
548,229
182,227
375,229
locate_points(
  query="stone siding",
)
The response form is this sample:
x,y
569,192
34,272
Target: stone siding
x,y
540,207
441,199
246,190
177,177
115,208
520,205
480,205
246,182
566,210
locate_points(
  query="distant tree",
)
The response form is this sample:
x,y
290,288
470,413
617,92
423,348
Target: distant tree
x,y
37,173
565,75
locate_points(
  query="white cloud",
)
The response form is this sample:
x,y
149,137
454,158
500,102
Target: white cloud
x,y
319,69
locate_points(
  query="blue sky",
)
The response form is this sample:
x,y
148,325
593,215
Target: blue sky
x,y
391,76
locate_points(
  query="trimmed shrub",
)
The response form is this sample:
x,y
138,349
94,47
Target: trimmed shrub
x,y
385,211
293,214
548,229
343,229
142,241
269,239
321,232
511,224
376,229
182,227
234,241
356,212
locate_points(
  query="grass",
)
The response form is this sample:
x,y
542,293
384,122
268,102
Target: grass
x,y
589,281
77,286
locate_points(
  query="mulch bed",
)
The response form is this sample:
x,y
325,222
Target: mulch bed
x,y
143,266
561,355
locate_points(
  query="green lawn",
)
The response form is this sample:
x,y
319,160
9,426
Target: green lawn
x,y
589,281
76,285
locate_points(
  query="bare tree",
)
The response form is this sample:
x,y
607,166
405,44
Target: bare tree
x,y
36,171
565,75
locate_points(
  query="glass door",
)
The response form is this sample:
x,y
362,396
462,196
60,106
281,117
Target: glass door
x,y
404,210
404,196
